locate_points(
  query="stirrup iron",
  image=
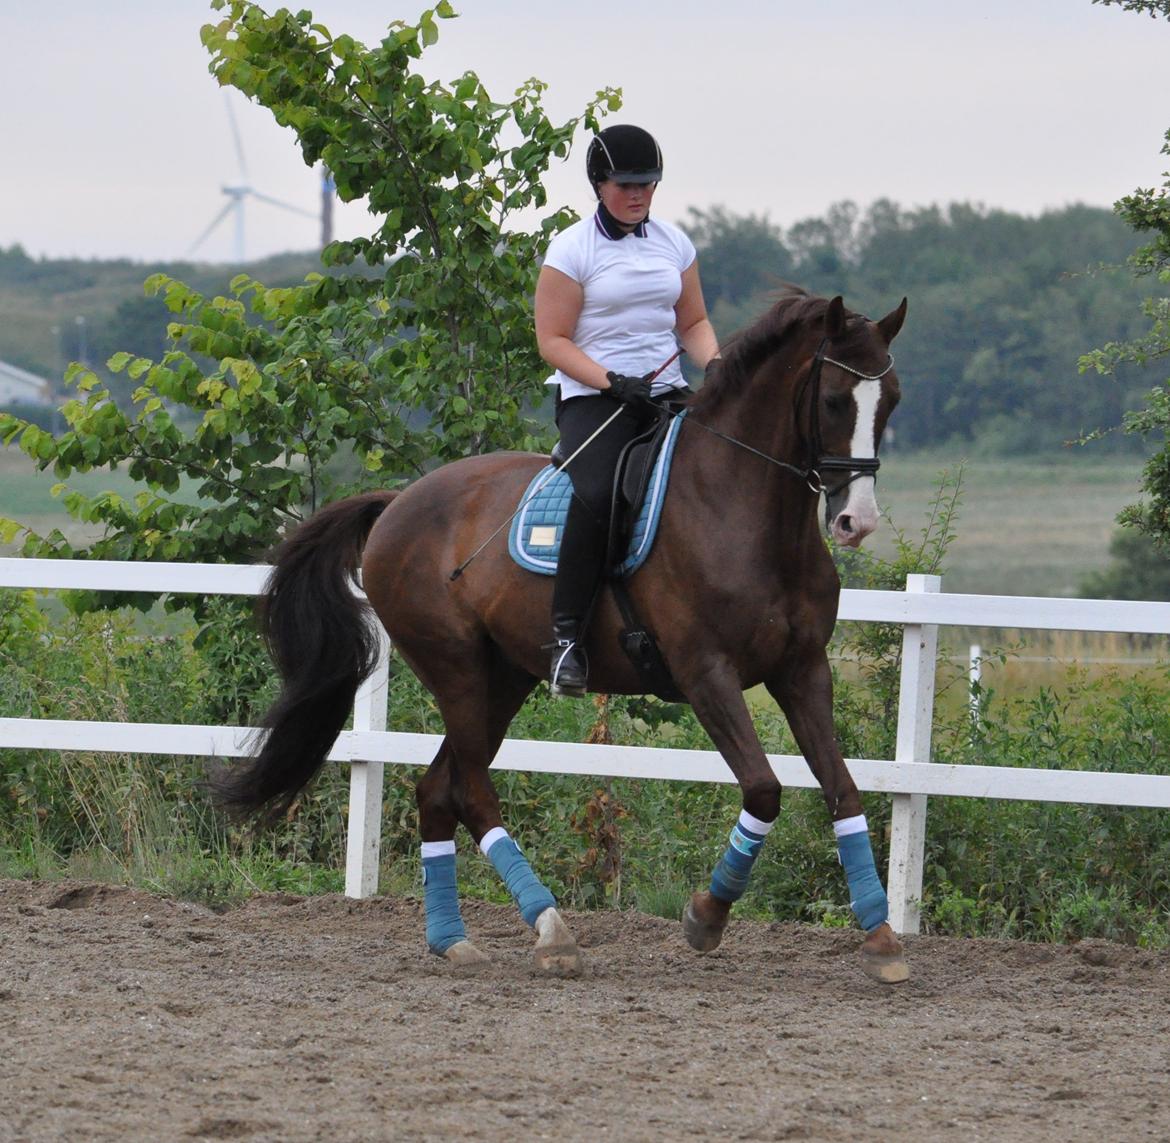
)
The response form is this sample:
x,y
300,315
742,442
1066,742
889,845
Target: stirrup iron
x,y
568,675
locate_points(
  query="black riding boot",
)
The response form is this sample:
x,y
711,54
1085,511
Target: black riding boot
x,y
578,570
568,672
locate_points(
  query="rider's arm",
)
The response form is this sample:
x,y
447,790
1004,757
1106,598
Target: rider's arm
x,y
558,306
694,328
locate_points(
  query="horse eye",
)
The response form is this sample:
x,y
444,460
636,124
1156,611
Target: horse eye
x,y
838,403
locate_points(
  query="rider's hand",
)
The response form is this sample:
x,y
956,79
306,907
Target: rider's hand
x,y
629,390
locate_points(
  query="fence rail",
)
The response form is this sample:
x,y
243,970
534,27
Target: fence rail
x,y
909,778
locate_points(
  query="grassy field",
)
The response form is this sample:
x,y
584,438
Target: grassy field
x,y
1024,527
26,494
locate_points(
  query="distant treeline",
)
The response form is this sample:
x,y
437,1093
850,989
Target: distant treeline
x,y
53,311
1001,307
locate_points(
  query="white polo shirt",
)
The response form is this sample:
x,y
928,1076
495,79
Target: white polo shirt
x,y
631,285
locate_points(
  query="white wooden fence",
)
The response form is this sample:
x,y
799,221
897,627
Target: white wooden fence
x,y
909,778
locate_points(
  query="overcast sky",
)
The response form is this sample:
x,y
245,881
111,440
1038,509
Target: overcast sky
x,y
117,139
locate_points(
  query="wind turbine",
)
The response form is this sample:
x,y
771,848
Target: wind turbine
x,y
238,194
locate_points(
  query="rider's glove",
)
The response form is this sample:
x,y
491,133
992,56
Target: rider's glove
x,y
629,390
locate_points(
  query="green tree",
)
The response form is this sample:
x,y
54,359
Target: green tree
x,y
1148,212
1139,570
234,430
740,256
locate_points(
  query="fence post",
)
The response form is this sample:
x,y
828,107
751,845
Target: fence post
x,y
975,685
915,720
363,846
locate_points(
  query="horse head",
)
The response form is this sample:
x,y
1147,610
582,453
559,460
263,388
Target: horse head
x,y
853,392
810,387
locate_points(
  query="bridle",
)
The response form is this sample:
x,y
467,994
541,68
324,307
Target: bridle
x,y
854,467
819,462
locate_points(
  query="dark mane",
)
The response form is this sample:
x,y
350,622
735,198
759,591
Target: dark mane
x,y
794,310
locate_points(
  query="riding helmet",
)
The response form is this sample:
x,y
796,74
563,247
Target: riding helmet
x,y
625,154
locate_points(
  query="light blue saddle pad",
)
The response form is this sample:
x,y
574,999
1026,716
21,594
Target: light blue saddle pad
x,y
535,537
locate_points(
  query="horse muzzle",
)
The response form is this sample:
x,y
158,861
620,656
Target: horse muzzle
x,y
851,510
849,527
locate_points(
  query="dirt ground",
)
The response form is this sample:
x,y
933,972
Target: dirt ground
x,y
127,1016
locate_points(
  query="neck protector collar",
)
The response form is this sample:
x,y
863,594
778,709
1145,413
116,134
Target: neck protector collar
x,y
614,230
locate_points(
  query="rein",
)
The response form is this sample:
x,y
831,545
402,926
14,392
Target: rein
x,y
819,462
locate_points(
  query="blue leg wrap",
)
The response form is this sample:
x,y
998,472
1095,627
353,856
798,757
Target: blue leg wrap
x,y
867,897
531,897
444,922
730,879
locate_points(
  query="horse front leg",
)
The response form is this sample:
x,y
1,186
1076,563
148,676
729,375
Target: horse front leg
x,y
719,704
804,691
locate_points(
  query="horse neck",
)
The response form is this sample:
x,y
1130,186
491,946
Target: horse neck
x,y
768,414
764,417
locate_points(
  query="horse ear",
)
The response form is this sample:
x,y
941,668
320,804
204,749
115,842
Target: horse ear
x,y
835,318
892,322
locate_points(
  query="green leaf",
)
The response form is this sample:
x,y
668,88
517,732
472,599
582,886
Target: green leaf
x,y
10,529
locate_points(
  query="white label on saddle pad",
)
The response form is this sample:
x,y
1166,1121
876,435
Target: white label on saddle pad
x,y
543,536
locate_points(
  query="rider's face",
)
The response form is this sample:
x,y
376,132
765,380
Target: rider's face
x,y
629,203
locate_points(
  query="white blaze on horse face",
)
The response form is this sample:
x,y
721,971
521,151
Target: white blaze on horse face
x,y
860,515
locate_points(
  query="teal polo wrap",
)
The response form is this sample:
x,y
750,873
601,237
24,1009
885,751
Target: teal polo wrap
x,y
441,898
867,898
531,897
729,881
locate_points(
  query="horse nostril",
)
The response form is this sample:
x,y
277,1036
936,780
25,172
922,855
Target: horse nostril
x,y
845,523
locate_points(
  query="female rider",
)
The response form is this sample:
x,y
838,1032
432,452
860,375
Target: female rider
x,y
616,295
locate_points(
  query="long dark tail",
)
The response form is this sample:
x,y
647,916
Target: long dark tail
x,y
322,640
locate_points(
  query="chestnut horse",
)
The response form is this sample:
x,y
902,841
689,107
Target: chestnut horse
x,y
739,589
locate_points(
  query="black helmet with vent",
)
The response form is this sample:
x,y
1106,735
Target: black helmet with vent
x,y
625,154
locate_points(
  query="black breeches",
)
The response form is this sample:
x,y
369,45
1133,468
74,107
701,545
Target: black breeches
x,y
592,472
586,531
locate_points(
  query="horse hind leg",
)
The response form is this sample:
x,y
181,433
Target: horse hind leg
x,y
458,789
446,934
556,952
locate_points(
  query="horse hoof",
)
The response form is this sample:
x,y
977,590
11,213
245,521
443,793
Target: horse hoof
x,y
702,936
556,953
464,956
882,958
